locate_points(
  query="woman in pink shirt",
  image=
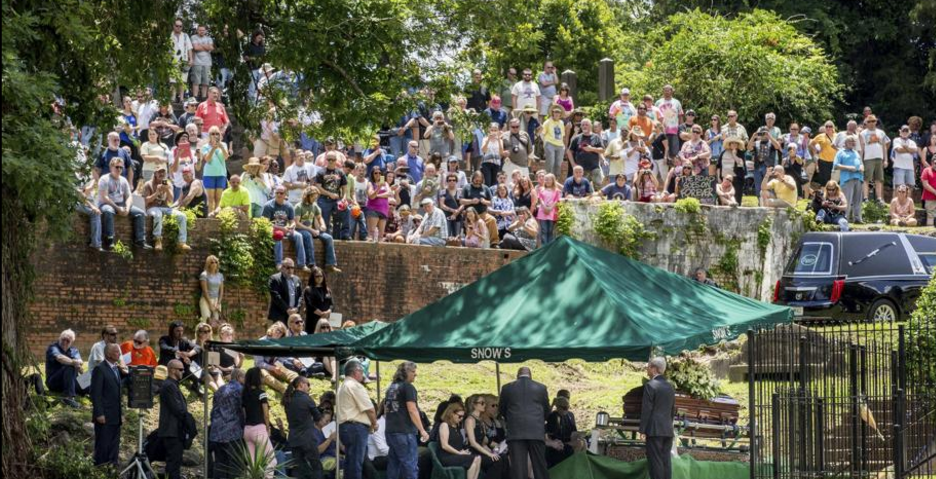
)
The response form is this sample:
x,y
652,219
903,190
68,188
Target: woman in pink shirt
x,y
545,203
378,205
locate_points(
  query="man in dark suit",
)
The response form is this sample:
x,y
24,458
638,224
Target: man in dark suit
x,y
285,292
524,403
302,415
656,420
172,411
105,400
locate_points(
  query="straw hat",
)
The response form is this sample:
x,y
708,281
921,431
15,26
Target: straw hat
x,y
736,140
253,165
555,108
530,109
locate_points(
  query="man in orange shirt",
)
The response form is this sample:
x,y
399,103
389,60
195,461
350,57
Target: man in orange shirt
x,y
142,353
642,121
213,113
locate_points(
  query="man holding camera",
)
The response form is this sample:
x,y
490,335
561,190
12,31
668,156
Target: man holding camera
x,y
778,190
157,194
766,150
441,136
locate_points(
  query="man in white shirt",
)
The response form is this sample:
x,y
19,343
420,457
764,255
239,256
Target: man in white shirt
x,y
904,150
299,176
525,92
433,229
182,53
874,157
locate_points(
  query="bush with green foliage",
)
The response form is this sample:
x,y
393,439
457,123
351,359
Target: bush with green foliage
x,y
921,347
690,206
565,219
619,230
874,212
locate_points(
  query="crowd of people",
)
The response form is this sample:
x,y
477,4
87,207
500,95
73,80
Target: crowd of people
x,y
424,181
481,434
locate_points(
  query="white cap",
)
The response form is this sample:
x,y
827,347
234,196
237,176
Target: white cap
x,y
625,91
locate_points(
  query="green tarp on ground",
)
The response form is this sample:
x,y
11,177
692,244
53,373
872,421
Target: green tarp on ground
x,y
297,346
570,300
588,466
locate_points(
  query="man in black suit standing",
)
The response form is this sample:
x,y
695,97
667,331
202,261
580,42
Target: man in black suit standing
x,y
105,399
302,415
524,403
285,292
172,411
656,420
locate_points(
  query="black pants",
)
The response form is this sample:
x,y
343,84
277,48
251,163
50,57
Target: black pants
x,y
307,463
490,171
659,458
106,444
520,450
221,460
174,448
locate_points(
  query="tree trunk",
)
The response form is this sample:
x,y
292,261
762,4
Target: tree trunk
x,y
17,276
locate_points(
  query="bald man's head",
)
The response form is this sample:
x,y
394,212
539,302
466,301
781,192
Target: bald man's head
x,y
175,369
112,352
524,372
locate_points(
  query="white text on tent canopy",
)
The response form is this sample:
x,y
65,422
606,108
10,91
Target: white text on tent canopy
x,y
490,353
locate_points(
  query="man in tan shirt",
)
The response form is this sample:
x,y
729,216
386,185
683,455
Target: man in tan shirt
x,y
356,418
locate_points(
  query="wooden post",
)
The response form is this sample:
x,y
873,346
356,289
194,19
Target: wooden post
x,y
568,77
606,79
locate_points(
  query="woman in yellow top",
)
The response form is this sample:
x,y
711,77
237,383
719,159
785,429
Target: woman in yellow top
x,y
553,145
824,145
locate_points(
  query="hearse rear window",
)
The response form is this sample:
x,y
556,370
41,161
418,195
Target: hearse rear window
x,y
812,259
874,256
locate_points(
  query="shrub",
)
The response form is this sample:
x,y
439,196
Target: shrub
x,y
565,218
688,206
874,212
921,348
692,377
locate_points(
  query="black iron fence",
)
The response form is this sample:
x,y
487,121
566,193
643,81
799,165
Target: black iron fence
x,y
842,400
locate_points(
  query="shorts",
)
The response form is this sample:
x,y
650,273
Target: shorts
x,y
545,103
183,74
903,176
375,214
874,170
215,182
200,74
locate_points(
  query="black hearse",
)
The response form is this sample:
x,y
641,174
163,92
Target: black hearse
x,y
874,276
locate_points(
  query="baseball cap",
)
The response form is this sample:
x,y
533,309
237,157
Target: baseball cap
x,y
690,113
426,201
625,91
191,101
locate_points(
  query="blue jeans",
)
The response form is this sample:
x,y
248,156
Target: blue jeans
x,y
297,243
402,461
308,242
547,231
341,224
359,227
329,207
398,145
94,219
354,439
136,215
432,241
833,219
759,172
157,212
252,87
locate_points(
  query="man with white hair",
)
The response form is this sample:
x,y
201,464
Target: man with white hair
x,y
656,420
585,150
62,367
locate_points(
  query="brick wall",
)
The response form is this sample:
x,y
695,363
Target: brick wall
x,y
83,289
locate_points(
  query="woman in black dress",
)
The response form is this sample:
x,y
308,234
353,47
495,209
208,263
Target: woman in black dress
x,y
560,424
492,464
317,298
452,449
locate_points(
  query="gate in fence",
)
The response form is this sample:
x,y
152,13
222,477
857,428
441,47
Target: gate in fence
x,y
846,400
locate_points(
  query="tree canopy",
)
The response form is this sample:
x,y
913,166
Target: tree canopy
x,y
753,63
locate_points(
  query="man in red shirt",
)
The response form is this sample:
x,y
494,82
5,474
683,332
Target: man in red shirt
x,y
928,179
213,113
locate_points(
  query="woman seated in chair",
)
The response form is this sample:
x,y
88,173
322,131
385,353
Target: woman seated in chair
x,y
453,452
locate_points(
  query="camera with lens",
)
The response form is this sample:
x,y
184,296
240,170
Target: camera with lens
x,y
515,149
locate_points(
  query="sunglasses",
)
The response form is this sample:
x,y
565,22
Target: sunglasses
x,y
111,334
290,268
137,341
216,134
117,167
298,321
177,369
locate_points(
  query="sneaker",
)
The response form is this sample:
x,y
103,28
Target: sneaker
x,y
306,269
108,244
70,402
159,246
143,245
184,247
332,269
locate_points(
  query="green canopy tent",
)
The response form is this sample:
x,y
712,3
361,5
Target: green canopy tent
x,y
570,300
302,346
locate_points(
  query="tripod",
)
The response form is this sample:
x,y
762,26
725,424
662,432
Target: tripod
x,y
139,467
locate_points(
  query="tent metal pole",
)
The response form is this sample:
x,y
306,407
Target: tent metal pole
x,y
204,365
337,424
377,364
497,372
